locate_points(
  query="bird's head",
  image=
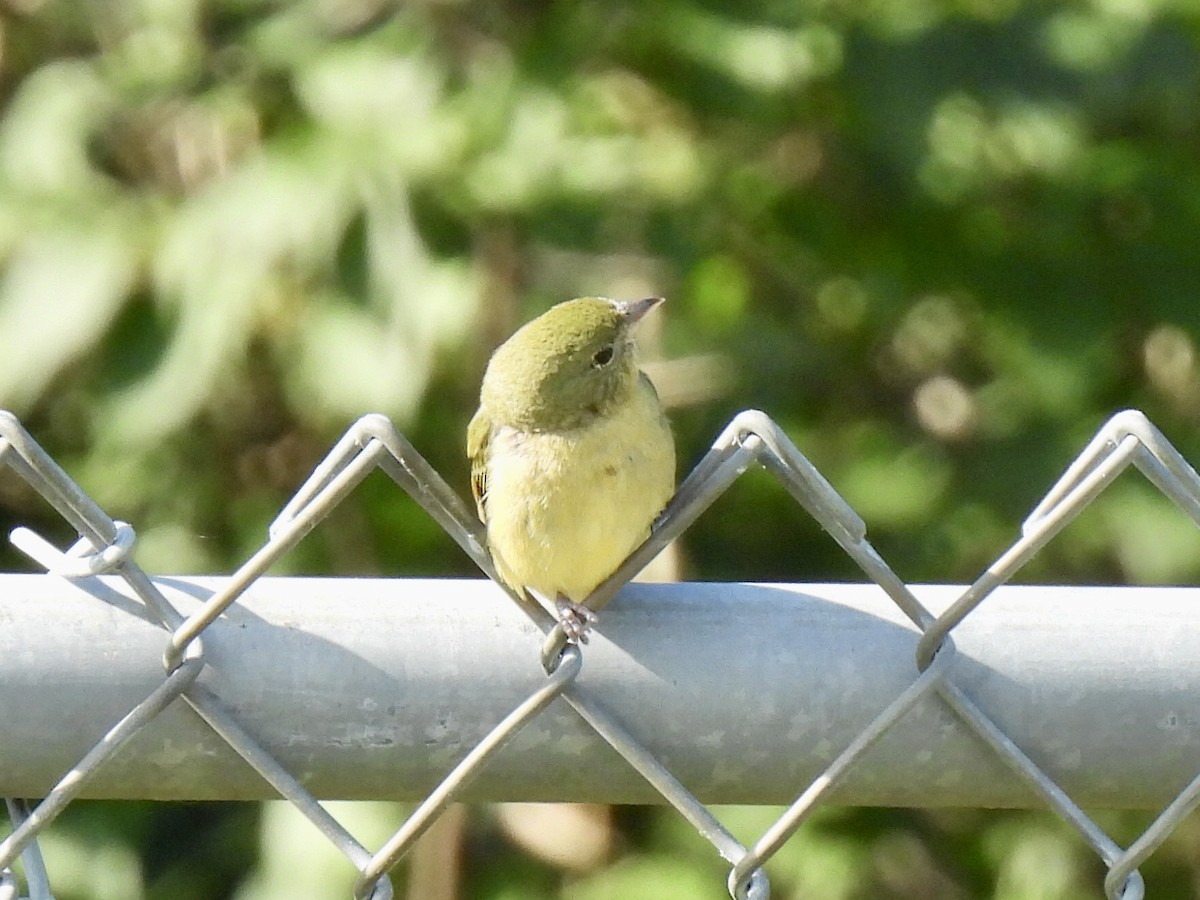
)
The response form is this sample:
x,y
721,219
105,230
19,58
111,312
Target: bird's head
x,y
567,367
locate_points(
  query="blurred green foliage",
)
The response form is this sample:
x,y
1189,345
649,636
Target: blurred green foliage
x,y
940,241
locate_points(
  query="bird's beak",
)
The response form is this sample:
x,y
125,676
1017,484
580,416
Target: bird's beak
x,y
633,310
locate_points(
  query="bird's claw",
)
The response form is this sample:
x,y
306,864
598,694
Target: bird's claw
x,y
575,619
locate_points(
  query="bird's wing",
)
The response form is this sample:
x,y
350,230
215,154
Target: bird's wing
x,y
479,435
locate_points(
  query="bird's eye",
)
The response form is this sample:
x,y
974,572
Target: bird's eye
x,y
603,356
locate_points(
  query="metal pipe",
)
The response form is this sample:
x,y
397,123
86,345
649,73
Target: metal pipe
x,y
376,688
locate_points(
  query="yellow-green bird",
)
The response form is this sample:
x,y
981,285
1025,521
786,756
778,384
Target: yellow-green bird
x,y
572,458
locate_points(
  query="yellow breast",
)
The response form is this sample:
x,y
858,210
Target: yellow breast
x,y
564,509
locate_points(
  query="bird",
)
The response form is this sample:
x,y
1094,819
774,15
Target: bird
x,y
572,457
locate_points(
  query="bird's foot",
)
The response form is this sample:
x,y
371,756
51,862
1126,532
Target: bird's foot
x,y
575,619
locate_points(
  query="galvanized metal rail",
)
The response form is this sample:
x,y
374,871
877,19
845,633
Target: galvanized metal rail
x,y
848,693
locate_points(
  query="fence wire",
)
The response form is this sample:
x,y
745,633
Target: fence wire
x,y
752,438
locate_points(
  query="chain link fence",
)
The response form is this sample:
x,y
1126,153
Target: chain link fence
x,y
751,439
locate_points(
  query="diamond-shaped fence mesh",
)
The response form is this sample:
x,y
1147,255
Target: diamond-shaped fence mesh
x,y
751,439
